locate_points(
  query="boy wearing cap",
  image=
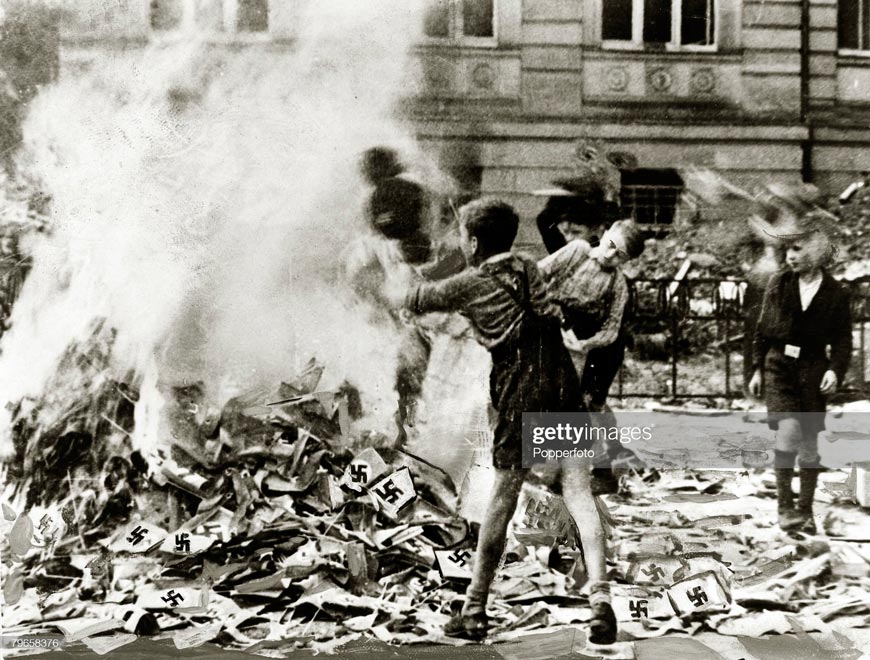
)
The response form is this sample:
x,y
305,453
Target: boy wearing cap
x,y
804,311
504,299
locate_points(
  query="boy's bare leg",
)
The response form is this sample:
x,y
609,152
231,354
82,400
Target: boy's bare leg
x,y
493,533
577,493
788,443
808,460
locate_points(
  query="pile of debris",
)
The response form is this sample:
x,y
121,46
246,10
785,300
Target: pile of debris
x,y
262,523
270,526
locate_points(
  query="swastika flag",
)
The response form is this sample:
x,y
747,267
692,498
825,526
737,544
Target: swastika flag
x,y
49,527
698,593
138,537
546,520
454,564
170,599
393,492
656,569
702,564
641,603
183,542
363,470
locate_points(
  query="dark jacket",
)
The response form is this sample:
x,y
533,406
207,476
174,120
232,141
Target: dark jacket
x,y
826,322
396,209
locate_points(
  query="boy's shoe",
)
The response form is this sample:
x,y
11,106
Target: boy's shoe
x,y
791,520
602,627
809,525
474,626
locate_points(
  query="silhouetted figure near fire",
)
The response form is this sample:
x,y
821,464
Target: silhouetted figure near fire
x,y
397,206
397,209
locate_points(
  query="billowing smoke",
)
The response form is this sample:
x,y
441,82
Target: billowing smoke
x,y
201,202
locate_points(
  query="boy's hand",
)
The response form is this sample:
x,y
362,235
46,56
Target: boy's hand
x,y
572,343
755,384
829,383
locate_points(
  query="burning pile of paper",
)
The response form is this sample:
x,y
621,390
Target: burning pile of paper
x,y
265,521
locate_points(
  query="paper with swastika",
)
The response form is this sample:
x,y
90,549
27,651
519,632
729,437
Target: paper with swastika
x,y
363,470
455,564
641,603
394,492
545,520
170,599
656,569
183,542
698,593
138,537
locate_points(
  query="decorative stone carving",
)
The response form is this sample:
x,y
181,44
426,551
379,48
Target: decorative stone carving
x,y
483,77
617,79
702,81
437,76
660,79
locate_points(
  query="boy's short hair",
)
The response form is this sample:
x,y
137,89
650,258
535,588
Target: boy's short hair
x,y
633,235
492,222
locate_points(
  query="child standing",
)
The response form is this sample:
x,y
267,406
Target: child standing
x,y
804,311
504,299
591,290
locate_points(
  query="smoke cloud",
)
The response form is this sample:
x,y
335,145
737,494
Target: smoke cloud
x,y
202,198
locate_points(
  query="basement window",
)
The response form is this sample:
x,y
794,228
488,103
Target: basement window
x,y
651,196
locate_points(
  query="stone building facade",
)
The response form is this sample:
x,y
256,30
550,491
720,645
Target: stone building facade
x,y
759,90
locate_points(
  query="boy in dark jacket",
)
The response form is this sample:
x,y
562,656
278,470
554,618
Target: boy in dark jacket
x,y
804,311
504,298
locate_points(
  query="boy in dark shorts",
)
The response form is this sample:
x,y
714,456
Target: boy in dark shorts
x,y
804,311
504,299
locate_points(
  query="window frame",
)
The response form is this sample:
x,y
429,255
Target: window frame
x,y
455,29
853,52
229,20
637,42
654,183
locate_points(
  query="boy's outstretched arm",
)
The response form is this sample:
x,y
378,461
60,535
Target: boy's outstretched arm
x,y
448,295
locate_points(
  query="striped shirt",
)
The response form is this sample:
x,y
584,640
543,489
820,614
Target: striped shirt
x,y
575,280
474,293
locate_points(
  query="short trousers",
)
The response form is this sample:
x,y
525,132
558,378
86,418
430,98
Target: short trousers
x,y
535,374
791,390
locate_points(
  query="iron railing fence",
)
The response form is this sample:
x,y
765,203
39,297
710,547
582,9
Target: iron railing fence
x,y
694,317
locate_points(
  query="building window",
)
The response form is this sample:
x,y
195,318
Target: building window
x,y
659,23
211,16
853,24
460,20
651,196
